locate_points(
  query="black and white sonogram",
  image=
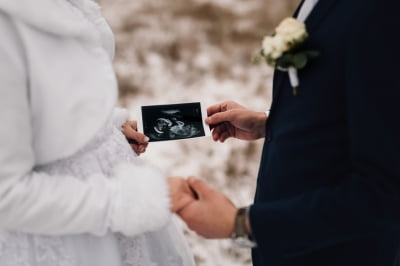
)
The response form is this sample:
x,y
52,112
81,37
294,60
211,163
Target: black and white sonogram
x,y
173,121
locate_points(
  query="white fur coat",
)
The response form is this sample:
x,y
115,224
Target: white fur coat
x,y
57,89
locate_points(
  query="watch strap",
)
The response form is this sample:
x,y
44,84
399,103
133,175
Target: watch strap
x,y
240,235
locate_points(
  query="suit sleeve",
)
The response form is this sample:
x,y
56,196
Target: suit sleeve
x,y
367,201
134,200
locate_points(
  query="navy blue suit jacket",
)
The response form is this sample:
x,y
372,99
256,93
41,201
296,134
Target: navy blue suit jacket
x,y
328,190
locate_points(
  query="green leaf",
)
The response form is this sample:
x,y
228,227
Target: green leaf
x,y
300,60
312,54
285,61
270,61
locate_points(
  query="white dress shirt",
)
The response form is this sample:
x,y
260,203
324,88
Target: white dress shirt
x,y
306,9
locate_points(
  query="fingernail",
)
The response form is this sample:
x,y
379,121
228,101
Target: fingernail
x,y
146,139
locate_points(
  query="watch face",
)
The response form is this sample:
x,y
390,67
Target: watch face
x,y
244,242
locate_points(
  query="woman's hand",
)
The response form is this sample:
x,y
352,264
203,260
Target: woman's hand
x,y
230,119
138,141
180,193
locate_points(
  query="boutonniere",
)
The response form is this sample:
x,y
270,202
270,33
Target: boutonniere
x,y
280,50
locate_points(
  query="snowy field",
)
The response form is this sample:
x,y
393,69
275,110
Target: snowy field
x,y
173,51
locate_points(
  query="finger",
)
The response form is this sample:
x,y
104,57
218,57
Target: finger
x,y
132,124
143,146
181,203
224,136
201,189
142,151
216,108
136,136
136,148
218,131
130,131
180,193
129,125
215,135
220,117
189,213
185,214
223,130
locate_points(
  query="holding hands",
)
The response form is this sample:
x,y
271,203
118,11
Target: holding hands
x,y
205,210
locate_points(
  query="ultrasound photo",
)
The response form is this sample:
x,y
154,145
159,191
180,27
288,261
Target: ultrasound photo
x,y
173,121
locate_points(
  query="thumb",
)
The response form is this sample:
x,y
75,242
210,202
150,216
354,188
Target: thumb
x,y
130,131
221,117
200,188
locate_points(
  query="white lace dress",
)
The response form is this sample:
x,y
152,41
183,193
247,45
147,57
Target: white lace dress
x,y
166,247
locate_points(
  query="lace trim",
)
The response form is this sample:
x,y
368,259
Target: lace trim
x,y
134,253
50,252
132,250
16,249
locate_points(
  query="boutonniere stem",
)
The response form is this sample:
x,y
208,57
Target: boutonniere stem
x,y
280,50
294,79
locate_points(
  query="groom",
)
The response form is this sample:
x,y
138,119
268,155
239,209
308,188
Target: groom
x,y
328,189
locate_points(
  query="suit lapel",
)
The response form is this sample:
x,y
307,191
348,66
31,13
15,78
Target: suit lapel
x,y
312,22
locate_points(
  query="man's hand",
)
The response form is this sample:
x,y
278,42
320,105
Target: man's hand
x,y
212,215
180,193
230,119
138,141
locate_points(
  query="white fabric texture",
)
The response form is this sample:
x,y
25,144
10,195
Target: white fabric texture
x,y
57,92
306,9
119,117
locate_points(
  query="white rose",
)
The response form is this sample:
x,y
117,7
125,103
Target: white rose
x,y
274,46
279,46
267,45
291,30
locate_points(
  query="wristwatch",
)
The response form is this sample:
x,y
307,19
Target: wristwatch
x,y
239,234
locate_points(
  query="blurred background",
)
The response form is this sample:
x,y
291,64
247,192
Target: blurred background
x,y
174,51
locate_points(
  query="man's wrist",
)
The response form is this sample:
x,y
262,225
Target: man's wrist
x,y
242,231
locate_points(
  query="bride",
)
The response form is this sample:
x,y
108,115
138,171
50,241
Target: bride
x,y
72,191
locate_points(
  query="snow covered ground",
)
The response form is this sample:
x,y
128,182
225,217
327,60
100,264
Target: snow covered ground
x,y
173,51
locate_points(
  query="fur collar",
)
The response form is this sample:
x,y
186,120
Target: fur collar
x,y
60,17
